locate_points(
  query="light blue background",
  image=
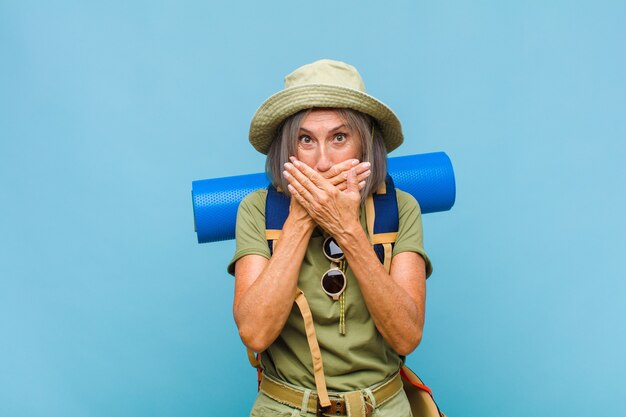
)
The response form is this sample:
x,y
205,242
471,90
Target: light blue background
x,y
108,111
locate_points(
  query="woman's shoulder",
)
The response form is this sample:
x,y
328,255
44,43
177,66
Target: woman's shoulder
x,y
256,199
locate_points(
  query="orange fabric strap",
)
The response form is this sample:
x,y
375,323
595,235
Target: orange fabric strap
x,y
380,238
411,377
388,252
272,234
316,354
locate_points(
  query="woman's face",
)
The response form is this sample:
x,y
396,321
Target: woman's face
x,y
325,139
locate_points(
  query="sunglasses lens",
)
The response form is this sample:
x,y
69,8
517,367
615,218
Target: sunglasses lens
x,y
332,249
333,281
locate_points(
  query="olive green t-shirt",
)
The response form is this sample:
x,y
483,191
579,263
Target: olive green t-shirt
x,y
361,357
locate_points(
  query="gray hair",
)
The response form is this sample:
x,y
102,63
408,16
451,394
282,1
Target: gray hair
x,y
285,144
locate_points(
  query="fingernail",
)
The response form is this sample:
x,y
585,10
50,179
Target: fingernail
x,y
296,163
292,158
288,165
366,164
367,173
362,184
355,162
286,174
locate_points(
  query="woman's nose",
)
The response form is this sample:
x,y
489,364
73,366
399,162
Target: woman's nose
x,y
323,162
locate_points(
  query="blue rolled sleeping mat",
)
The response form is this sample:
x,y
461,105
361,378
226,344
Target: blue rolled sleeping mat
x,y
428,177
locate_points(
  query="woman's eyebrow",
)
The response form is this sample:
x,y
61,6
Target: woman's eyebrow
x,y
340,127
334,129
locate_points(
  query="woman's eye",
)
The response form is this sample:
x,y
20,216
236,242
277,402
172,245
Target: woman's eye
x,y
305,139
340,137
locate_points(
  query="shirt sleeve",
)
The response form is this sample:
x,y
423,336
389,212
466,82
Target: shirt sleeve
x,y
410,236
250,229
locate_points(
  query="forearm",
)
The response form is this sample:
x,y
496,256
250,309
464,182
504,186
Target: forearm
x,y
264,300
397,313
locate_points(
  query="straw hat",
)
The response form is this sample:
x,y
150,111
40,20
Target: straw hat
x,y
324,83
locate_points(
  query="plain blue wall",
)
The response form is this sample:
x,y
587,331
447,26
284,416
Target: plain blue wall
x,y
108,111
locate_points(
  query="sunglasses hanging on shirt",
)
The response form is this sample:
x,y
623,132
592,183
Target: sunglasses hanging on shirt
x,y
334,280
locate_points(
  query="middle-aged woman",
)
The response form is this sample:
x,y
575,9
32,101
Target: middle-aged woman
x,y
326,142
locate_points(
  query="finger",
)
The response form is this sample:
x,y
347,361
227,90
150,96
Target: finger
x,y
360,178
298,179
361,168
353,185
295,195
340,168
297,190
343,174
308,177
297,185
363,176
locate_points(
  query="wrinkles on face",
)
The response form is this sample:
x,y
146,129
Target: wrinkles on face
x,y
324,140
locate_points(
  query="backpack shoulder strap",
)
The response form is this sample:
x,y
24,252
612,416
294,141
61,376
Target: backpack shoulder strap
x,y
276,212
381,212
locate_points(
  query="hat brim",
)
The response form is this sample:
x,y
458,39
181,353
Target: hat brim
x,y
290,101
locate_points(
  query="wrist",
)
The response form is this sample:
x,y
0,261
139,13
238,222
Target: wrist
x,y
302,222
350,232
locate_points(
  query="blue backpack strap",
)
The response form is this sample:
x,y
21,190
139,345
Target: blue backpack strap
x,y
381,211
276,212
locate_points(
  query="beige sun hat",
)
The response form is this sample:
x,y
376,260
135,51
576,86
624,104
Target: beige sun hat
x,y
327,84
